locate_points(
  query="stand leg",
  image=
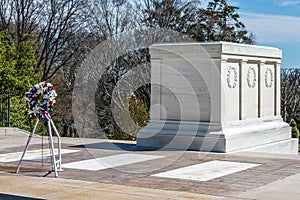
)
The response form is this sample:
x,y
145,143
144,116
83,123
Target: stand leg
x,y
49,147
52,149
27,145
56,164
59,147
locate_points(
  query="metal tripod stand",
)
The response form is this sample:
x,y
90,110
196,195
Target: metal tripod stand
x,y
56,163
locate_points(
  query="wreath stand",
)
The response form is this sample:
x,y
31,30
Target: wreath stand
x,y
56,163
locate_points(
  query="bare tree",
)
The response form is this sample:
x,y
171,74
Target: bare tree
x,y
49,23
99,20
21,17
176,15
60,22
290,94
55,27
109,18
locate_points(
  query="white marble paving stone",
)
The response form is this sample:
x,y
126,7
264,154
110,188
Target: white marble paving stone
x,y
207,171
110,161
31,154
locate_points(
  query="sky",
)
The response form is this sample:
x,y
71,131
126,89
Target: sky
x,y
275,23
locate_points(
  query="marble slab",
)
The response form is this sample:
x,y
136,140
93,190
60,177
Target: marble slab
x,y
207,171
31,155
110,161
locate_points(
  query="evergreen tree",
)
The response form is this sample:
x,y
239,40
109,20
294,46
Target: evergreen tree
x,y
176,15
223,23
295,131
16,75
218,22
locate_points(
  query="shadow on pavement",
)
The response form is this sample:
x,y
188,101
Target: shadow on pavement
x,y
115,146
14,197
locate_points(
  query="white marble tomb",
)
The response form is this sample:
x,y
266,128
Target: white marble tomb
x,y
217,96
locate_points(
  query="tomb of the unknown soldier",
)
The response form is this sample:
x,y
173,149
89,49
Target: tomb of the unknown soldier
x,y
219,97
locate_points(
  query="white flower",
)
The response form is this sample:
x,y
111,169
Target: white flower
x,y
38,92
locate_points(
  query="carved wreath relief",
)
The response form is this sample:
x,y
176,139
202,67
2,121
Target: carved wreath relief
x,y
232,77
251,77
269,78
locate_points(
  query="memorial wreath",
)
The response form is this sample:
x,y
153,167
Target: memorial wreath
x,y
40,100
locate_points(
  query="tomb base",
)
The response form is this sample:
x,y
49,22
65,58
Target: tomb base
x,y
269,134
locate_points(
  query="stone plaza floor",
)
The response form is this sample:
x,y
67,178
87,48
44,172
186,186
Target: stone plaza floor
x,y
101,169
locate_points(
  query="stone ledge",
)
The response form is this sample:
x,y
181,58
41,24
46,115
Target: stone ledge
x,y
12,131
289,146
